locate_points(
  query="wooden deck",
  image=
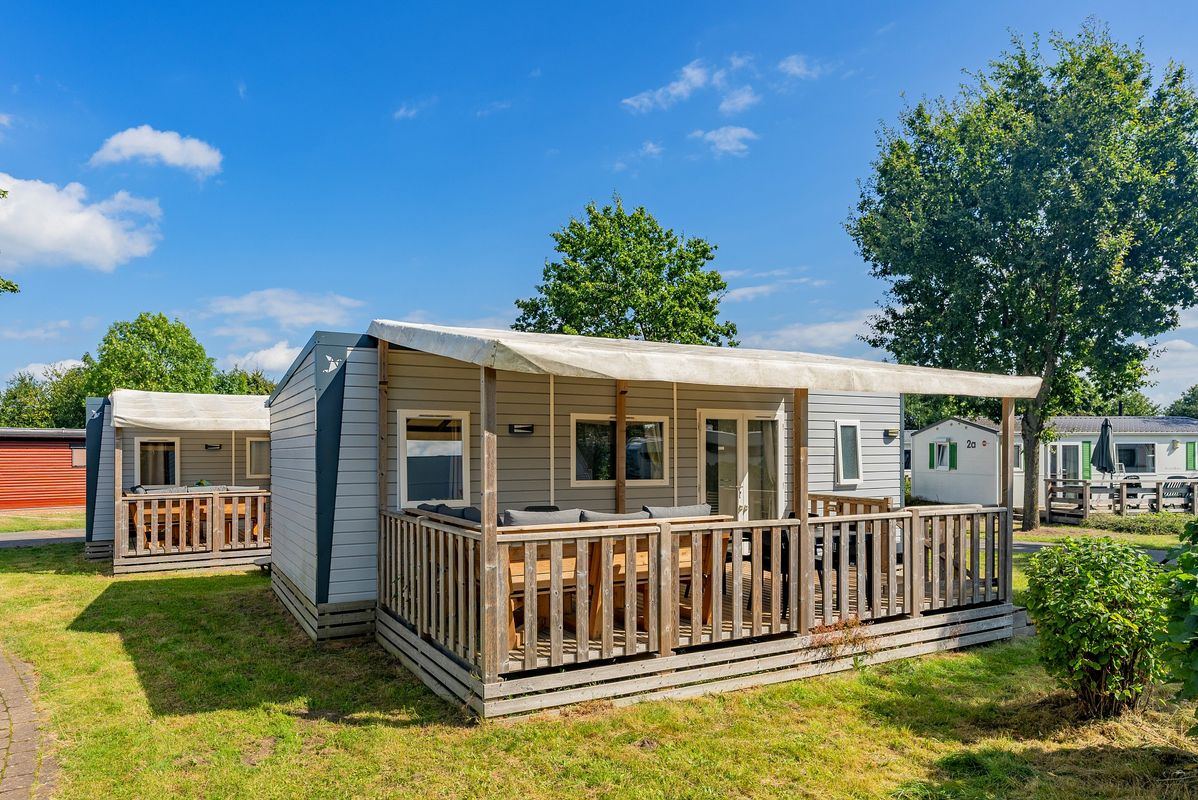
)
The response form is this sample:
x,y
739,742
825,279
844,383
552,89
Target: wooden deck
x,y
629,605
1074,501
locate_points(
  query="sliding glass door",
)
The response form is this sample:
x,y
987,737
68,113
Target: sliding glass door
x,y
742,463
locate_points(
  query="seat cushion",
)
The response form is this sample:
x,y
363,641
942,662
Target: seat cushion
x,y
450,511
606,516
513,517
431,507
673,512
472,514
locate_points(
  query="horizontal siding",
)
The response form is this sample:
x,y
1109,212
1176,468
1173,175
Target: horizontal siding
x,y
39,474
293,479
226,466
353,566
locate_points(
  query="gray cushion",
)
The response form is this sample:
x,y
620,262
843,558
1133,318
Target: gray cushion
x,y
672,512
514,517
427,507
604,516
472,514
449,511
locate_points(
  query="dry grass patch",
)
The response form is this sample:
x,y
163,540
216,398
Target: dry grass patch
x,y
200,685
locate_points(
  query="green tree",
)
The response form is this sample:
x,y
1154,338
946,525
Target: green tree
x,y
66,396
1135,404
1043,222
150,353
24,404
6,285
239,381
622,276
1186,405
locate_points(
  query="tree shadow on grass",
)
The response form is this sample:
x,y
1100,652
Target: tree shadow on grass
x,y
1092,772
222,641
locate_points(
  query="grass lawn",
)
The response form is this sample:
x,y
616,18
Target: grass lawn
x,y
200,685
41,519
1152,541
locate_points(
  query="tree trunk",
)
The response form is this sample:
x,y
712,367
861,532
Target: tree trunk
x,y
1032,434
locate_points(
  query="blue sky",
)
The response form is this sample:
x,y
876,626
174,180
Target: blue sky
x,y
261,172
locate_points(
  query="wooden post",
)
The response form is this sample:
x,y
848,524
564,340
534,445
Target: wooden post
x,y
1085,500
667,599
1006,484
1122,497
1160,496
621,445
384,457
1047,500
916,563
494,625
120,544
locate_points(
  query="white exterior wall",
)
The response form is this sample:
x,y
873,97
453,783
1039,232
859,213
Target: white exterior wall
x,y
975,480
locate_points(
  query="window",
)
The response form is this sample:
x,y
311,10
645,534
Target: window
x,y
1018,457
434,457
593,450
78,455
257,458
157,462
1136,457
942,458
848,451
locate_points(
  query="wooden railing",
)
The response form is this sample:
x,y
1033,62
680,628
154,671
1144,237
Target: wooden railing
x,y
1073,500
584,592
835,505
156,524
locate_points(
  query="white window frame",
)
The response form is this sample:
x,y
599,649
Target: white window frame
x,y
249,473
840,479
401,472
137,443
1018,456
947,444
742,418
663,420
1151,470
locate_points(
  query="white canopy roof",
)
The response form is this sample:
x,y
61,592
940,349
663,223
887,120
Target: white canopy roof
x,y
189,412
624,359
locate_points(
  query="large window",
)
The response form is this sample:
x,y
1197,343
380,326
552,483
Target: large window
x,y
157,462
257,458
593,450
848,451
434,457
1137,457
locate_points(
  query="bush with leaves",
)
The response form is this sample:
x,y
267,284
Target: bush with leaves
x,y
1181,638
1165,523
1098,606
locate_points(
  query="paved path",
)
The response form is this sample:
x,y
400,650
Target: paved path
x,y
26,768
1031,547
35,538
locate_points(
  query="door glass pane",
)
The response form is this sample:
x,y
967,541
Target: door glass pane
x,y
763,468
720,467
435,470
157,467
1071,462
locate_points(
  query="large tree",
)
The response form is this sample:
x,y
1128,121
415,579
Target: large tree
x,y
1043,222
622,275
55,400
6,285
151,353
1186,405
240,381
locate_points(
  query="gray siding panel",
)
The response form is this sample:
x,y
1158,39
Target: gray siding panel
x,y
226,466
293,478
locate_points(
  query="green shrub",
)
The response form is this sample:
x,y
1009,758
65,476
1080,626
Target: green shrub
x,y
1165,524
1098,606
1181,650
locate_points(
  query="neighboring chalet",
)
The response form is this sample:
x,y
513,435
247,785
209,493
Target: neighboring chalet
x,y
193,480
531,520
42,467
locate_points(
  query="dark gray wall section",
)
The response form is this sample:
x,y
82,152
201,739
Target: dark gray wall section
x,y
95,435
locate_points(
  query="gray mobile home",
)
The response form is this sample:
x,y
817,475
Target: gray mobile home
x,y
523,518
177,481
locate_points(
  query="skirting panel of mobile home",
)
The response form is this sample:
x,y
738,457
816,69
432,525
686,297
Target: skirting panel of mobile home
x,y
172,562
98,551
699,671
326,621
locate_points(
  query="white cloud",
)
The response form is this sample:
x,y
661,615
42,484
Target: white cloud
x,y
39,369
5,120
730,140
287,307
739,100
1176,370
691,77
742,293
494,107
243,334
144,143
241,89
801,67
44,224
1189,319
651,149
835,334
413,108
43,332
274,359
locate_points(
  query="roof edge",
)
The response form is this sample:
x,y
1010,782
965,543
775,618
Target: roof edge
x,y
335,338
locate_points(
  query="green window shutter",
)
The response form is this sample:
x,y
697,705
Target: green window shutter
x,y
1087,470
931,455
1190,456
952,455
